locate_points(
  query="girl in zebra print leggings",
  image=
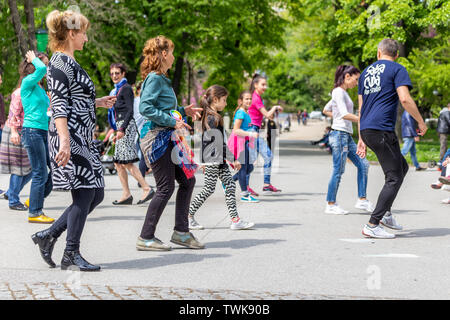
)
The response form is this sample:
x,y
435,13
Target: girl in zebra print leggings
x,y
214,155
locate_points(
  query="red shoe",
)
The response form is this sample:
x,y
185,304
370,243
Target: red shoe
x,y
270,189
436,185
253,193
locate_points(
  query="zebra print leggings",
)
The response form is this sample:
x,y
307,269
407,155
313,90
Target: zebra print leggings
x,y
212,173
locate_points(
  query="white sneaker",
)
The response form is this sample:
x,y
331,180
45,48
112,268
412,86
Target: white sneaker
x,y
446,187
241,225
446,201
389,221
377,232
364,205
194,225
334,209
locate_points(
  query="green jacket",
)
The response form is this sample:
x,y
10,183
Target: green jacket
x,y
157,100
34,99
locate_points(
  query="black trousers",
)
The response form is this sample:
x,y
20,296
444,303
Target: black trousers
x,y
74,217
165,173
386,147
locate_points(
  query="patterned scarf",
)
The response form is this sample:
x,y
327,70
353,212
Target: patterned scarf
x,y
155,143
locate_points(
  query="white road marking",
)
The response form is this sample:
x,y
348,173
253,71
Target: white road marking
x,y
391,255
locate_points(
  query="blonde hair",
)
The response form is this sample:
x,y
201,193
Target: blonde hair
x,y
60,23
152,54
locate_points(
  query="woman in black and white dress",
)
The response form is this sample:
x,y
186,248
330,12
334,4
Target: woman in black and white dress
x,y
75,161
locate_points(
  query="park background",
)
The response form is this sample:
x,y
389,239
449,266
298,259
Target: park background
x,y
297,44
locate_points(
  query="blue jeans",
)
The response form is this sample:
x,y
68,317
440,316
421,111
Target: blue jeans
x,y
444,169
16,184
36,143
263,149
343,147
410,146
243,175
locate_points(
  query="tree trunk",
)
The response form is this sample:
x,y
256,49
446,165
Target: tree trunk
x,y
29,14
20,34
189,68
177,76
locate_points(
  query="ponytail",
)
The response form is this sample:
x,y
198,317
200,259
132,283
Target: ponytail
x,y
256,78
215,91
340,73
241,97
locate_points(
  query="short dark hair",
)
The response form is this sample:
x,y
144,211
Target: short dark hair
x,y
389,47
120,66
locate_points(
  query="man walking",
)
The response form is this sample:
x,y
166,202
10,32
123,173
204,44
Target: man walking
x,y
381,86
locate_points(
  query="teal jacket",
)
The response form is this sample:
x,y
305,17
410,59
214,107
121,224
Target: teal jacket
x,y
34,99
157,100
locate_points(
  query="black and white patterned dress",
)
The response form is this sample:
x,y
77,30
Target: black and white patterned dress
x,y
73,97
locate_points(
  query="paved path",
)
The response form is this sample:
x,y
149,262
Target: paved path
x,y
295,252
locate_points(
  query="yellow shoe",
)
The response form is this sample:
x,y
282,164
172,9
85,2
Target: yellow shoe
x,y
27,203
41,219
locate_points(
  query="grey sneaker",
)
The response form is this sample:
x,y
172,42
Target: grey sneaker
x,y
151,245
389,221
193,224
377,232
241,225
186,239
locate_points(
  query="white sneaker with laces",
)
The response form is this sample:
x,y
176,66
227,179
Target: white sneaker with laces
x,y
377,232
193,224
335,209
241,225
364,205
389,221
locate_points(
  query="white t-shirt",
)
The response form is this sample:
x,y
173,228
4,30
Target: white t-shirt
x,y
340,104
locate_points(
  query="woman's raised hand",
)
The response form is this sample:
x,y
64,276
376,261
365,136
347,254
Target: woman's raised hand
x,y
30,56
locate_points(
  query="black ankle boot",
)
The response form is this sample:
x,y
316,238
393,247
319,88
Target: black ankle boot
x,y
74,261
46,243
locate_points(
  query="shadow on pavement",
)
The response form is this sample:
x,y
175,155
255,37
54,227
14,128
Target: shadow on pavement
x,y
161,261
260,226
241,244
110,218
424,233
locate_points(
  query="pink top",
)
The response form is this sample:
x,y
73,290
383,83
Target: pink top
x,y
15,117
254,110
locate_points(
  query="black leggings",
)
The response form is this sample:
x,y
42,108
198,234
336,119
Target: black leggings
x,y
74,217
387,149
165,173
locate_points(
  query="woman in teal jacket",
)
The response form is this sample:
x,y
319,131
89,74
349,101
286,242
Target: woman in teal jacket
x,y
159,107
34,135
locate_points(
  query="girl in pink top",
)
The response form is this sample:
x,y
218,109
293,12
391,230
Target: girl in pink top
x,y
257,112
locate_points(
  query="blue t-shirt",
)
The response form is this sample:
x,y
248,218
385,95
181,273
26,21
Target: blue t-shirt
x,y
378,85
246,120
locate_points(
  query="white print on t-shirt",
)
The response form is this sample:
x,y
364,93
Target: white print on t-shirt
x,y
372,81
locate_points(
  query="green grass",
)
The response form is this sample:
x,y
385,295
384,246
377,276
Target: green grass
x,y
427,148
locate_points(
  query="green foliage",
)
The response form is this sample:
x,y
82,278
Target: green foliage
x,y
228,38
324,34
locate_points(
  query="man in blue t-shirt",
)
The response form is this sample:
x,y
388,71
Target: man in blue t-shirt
x,y
381,87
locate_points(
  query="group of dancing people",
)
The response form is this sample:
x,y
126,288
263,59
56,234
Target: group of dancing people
x,y
52,141
62,155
